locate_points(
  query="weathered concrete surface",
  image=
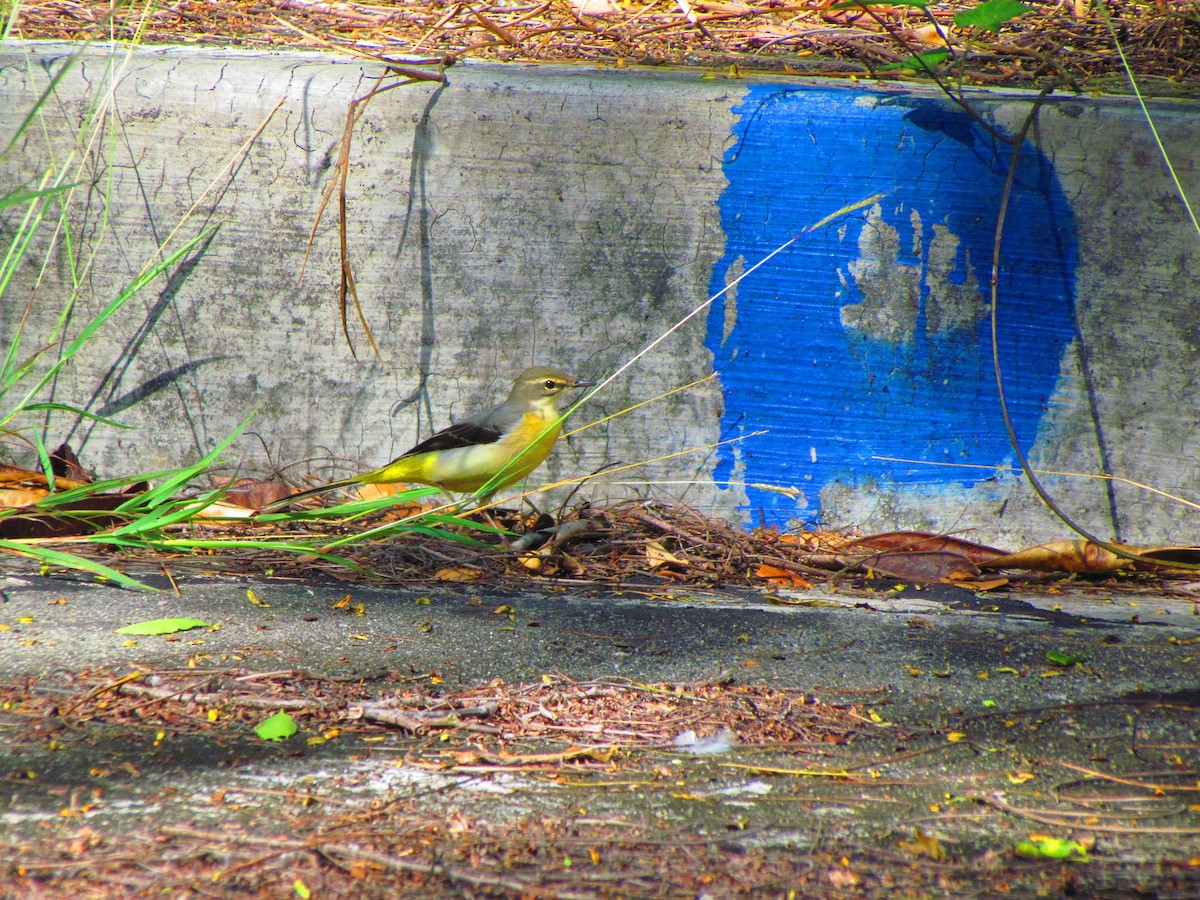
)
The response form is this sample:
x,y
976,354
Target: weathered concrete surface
x,y
931,673
685,636
570,216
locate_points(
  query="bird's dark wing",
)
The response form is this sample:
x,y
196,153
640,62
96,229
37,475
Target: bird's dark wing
x,y
464,434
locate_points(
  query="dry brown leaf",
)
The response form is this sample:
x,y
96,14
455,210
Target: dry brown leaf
x,y
1062,556
457,573
921,567
975,584
15,498
1168,557
225,511
378,491
84,516
249,494
918,541
479,756
658,555
16,475
784,577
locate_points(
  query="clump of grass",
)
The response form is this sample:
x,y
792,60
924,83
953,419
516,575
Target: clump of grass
x,y
163,518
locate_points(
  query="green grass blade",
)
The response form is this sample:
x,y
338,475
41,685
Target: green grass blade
x,y
90,329
76,411
464,523
42,100
44,459
401,527
15,199
50,557
85,491
167,489
183,544
19,244
351,510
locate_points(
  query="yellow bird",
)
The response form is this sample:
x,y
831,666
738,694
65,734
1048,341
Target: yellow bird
x,y
492,449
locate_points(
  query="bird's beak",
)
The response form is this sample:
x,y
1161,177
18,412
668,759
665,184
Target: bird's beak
x,y
584,384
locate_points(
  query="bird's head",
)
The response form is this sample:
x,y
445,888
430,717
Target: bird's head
x,y
542,383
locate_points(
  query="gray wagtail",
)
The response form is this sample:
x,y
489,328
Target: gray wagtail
x,y
490,450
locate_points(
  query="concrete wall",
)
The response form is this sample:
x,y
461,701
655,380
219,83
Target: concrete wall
x,y
569,216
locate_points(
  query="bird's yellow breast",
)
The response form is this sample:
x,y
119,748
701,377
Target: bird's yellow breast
x,y
518,452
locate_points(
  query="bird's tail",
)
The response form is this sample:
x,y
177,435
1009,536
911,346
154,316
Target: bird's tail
x,y
311,492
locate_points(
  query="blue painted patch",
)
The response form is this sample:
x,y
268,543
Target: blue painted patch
x,y
871,336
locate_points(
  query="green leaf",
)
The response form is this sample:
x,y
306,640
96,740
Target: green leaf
x,y
931,60
1062,658
1052,848
279,727
991,15
162,626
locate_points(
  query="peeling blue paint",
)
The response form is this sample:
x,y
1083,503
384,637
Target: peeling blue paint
x,y
871,336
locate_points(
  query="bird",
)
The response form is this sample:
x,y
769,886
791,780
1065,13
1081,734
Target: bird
x,y
489,450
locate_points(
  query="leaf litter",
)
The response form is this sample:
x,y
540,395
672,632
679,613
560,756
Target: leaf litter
x,y
1020,44
641,544
591,739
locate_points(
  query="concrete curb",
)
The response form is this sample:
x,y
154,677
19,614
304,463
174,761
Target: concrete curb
x,y
570,216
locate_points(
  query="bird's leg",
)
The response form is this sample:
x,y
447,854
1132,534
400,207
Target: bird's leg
x,y
481,508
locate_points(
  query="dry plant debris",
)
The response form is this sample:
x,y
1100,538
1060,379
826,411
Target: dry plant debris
x,y
639,544
600,736
655,546
1059,40
541,725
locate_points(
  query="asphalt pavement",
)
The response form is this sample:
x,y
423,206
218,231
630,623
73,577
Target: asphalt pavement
x,y
983,687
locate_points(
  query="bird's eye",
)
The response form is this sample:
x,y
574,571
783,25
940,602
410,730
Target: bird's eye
x,y
550,384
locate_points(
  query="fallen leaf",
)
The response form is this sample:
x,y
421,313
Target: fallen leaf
x,y
162,626
379,491
658,555
919,567
916,541
457,573
15,498
1044,847
84,516
17,475
1062,658
924,845
977,585
785,577
279,727
1168,557
250,494
1062,556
